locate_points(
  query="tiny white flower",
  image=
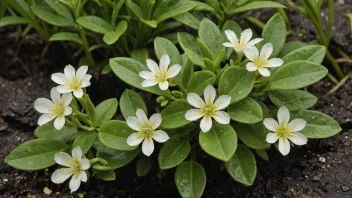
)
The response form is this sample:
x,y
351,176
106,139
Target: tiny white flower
x,y
72,81
159,74
208,109
244,42
146,131
76,167
285,130
57,108
261,61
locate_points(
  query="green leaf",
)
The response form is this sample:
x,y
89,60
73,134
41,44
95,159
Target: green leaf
x,y
35,154
95,24
114,134
13,20
296,75
311,53
186,72
199,81
61,9
140,55
112,36
252,135
164,46
139,13
319,125
130,101
211,36
107,175
188,19
179,8
48,131
189,45
173,116
262,154
128,70
84,140
106,110
230,25
236,82
46,14
292,99
220,142
173,153
117,159
242,166
190,179
88,107
66,36
179,132
143,166
206,53
274,32
291,46
246,111
255,5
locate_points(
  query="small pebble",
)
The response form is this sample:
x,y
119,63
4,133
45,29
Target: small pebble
x,y
322,159
345,188
47,191
317,177
80,195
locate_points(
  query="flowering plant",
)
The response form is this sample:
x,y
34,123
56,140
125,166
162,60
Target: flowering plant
x,y
233,86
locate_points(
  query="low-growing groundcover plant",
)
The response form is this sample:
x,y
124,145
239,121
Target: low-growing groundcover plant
x,y
225,92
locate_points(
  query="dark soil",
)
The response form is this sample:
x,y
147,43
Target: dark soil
x,y
322,168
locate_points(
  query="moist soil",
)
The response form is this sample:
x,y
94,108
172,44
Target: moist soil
x,y
322,168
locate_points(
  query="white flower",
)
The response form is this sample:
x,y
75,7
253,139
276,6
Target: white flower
x,y
208,109
57,108
260,61
72,81
284,131
76,167
244,42
146,131
159,74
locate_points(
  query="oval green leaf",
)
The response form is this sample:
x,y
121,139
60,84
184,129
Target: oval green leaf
x,y
112,36
130,101
95,24
48,131
311,53
48,15
117,159
211,36
66,36
173,116
255,5
164,46
173,153
84,140
252,135
105,111
143,166
246,111
290,47
292,99
199,81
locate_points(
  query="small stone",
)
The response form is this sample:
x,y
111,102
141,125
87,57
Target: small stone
x,y
322,159
47,191
5,180
345,188
317,177
80,195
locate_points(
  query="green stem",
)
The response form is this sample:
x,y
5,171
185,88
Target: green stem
x,y
86,46
330,21
334,64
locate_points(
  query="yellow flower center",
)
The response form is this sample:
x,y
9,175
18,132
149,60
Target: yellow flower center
x,y
147,132
58,109
208,109
260,62
283,131
76,165
74,84
162,76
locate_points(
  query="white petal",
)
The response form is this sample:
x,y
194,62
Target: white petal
x,y
254,41
78,94
222,117
134,139
231,36
85,164
77,153
134,123
86,80
271,138
149,83
61,175
275,62
63,89
284,146
173,70
283,116
45,118
59,122
59,78
75,182
209,94
246,35
141,116
68,111
194,100
81,72
66,99
55,95
251,67
266,51
297,124
43,105
164,63
83,176
193,114
264,72
222,102
70,72
164,85
270,124
153,66
298,138
227,44
63,159
160,136
155,120
147,75
251,53
206,124
148,147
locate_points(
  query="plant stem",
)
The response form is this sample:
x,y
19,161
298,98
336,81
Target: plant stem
x,y
334,64
86,46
